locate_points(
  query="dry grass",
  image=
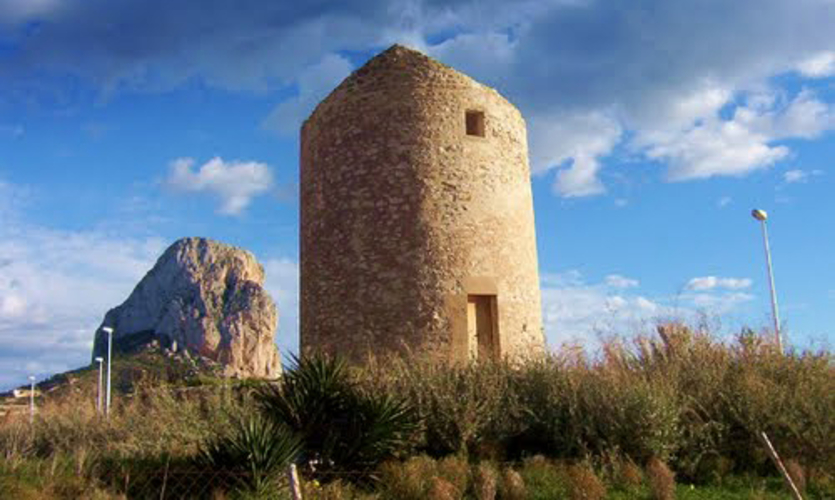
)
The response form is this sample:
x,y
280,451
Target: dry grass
x,y
455,470
682,398
583,483
409,480
630,476
441,489
512,486
662,483
485,481
797,474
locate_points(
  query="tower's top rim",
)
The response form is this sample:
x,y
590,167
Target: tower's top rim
x,y
399,54
398,60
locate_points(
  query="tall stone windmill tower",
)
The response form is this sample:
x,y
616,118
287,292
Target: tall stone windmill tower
x,y
417,224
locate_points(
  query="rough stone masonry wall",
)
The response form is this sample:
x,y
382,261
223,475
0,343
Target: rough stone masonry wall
x,y
403,214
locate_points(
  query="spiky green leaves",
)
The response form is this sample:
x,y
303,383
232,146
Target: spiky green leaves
x,y
345,430
254,454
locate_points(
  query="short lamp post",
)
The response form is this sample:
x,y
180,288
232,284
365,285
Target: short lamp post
x,y
762,216
100,361
31,398
109,331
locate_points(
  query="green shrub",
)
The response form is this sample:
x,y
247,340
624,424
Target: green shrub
x,y
577,410
470,409
344,429
253,454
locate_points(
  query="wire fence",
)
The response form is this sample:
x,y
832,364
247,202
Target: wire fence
x,y
179,481
189,481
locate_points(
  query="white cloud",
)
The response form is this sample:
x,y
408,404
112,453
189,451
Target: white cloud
x,y
11,306
712,282
235,183
578,312
800,176
618,281
708,126
674,81
724,201
722,303
712,113
575,311
795,176
741,144
804,117
820,65
574,144
314,84
715,148
647,305
55,287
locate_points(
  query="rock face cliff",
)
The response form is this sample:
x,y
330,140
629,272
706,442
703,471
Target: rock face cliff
x,y
207,299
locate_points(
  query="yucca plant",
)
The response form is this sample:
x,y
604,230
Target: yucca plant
x,y
344,429
254,454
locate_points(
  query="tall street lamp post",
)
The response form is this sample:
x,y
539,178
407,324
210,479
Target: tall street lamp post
x,y
31,398
99,360
109,331
762,216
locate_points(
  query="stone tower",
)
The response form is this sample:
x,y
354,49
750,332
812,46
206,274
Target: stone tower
x,y
417,224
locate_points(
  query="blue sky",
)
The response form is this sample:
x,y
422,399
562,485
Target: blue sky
x,y
654,127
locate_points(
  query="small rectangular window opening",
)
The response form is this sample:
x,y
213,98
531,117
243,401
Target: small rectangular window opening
x,y
475,123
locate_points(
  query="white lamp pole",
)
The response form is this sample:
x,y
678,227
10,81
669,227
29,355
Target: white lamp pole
x,y
109,331
31,398
762,216
99,360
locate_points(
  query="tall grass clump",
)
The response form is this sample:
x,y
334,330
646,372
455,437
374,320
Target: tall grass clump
x,y
155,420
728,393
683,397
662,483
465,408
575,408
485,481
583,483
71,447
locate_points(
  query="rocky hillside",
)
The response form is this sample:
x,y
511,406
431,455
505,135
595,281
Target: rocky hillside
x,y
205,299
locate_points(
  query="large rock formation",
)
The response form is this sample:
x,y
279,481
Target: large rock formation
x,y
206,298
